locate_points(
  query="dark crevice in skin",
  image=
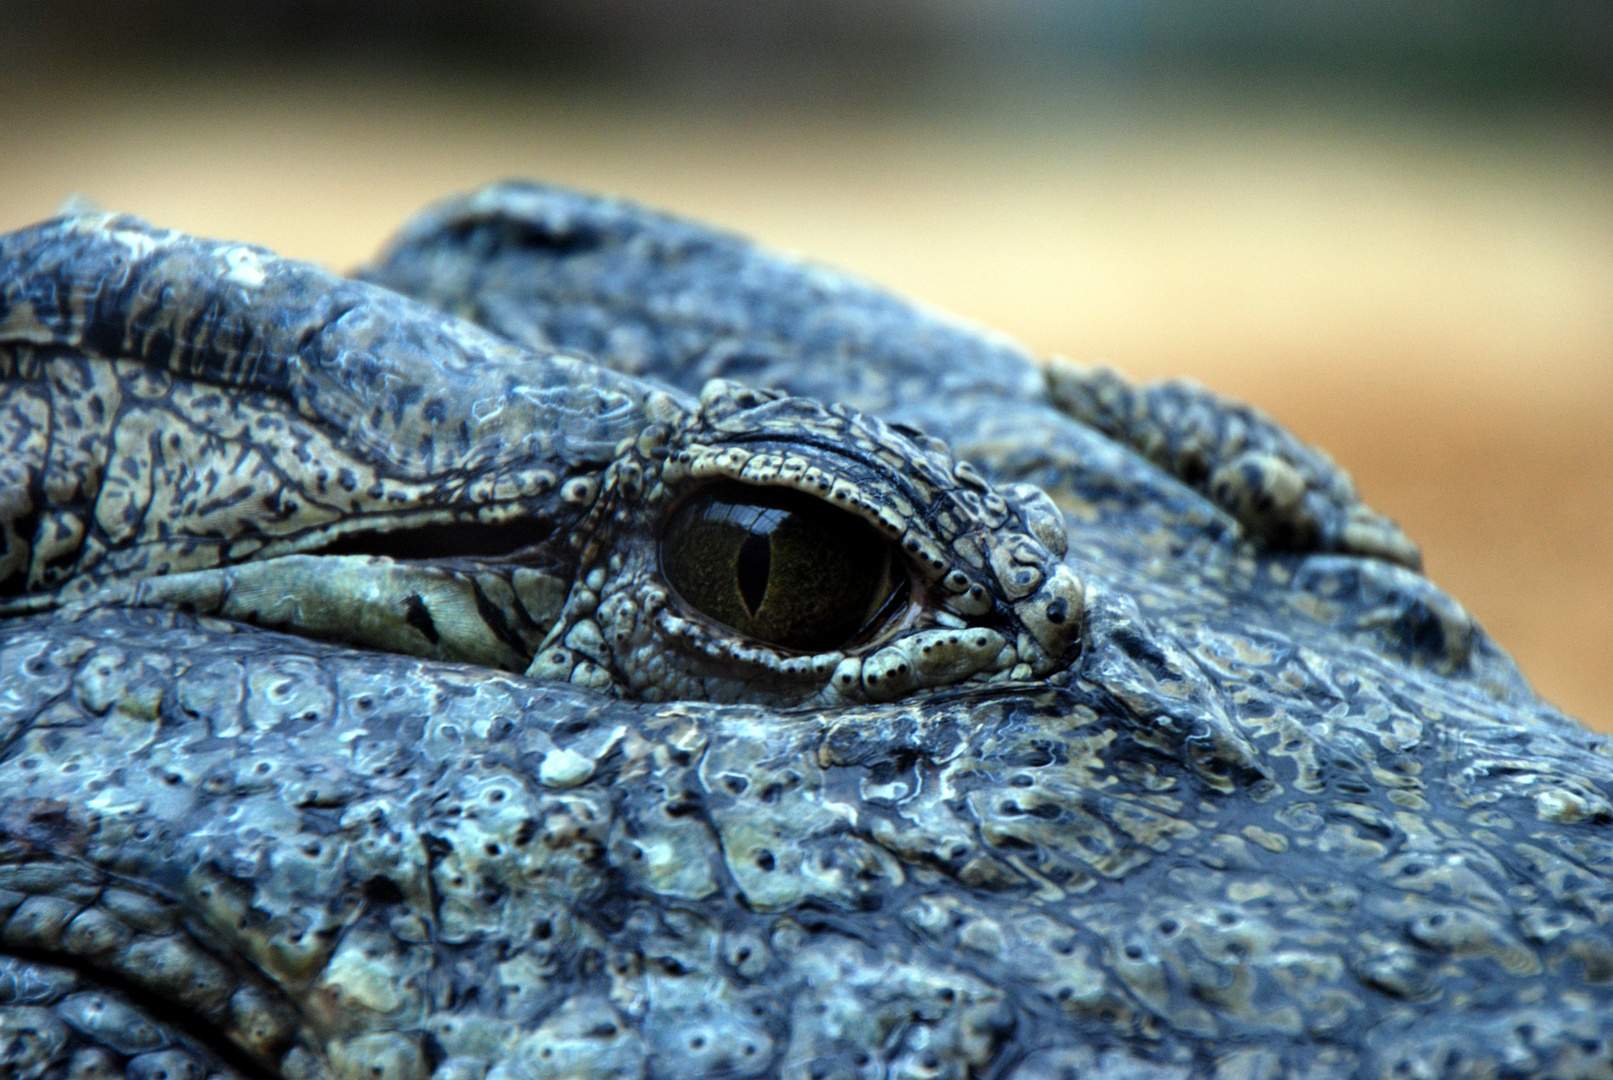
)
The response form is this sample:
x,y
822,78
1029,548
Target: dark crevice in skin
x,y
496,620
454,540
416,615
26,529
562,241
165,1014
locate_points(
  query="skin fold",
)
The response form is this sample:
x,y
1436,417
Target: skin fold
x,y
349,726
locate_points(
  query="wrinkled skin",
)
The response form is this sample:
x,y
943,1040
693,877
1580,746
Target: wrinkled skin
x,y
1261,801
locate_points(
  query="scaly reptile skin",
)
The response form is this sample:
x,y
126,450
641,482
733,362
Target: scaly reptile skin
x,y
1176,770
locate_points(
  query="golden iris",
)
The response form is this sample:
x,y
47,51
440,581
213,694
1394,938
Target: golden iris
x,y
780,566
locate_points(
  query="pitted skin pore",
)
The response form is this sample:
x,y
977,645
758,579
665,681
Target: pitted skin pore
x,y
1288,813
190,423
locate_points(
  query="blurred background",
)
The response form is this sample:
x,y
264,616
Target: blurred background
x,y
1389,223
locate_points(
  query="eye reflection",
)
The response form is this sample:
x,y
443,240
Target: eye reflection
x,y
780,566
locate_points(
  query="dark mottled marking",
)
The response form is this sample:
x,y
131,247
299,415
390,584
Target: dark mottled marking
x,y
416,615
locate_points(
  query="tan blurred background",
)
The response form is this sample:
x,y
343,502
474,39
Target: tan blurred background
x,y
1388,224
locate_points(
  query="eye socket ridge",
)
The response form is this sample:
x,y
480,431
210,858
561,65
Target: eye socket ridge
x,y
841,449
782,567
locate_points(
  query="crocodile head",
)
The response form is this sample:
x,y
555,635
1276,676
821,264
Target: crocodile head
x,y
592,646
322,455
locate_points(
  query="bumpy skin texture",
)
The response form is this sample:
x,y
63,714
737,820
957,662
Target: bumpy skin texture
x,y
649,294
186,420
1286,812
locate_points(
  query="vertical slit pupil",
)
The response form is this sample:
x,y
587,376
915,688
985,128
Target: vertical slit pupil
x,y
754,564
778,565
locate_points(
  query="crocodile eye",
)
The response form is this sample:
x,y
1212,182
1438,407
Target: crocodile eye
x,y
780,566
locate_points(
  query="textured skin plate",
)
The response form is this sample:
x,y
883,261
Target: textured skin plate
x,y
1284,811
